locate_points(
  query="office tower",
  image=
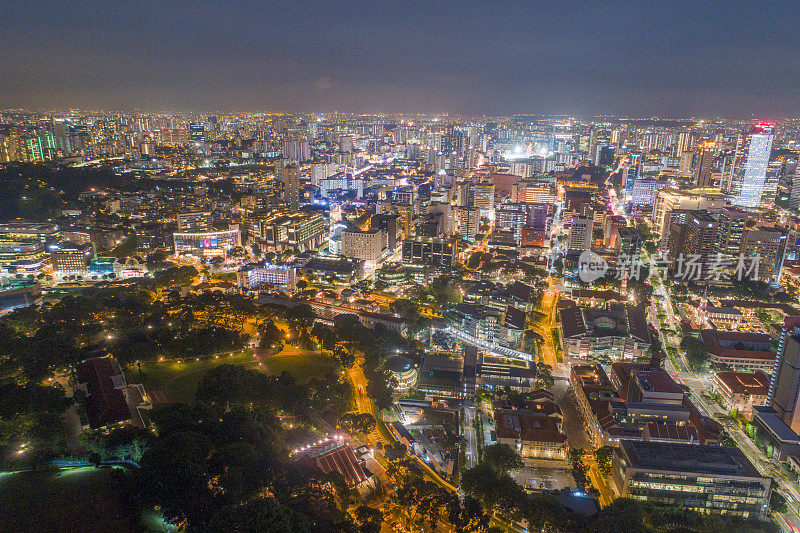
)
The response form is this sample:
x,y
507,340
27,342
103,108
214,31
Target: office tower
x,y
291,181
645,190
784,386
732,222
446,210
468,222
627,242
745,181
484,199
580,233
612,224
704,159
387,223
631,170
794,196
766,247
465,194
513,217
774,170
692,239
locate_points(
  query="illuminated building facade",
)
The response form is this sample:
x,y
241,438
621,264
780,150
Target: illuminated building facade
x,y
745,181
206,244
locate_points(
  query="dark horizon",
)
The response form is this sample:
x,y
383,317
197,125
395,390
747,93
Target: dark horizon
x,y
676,60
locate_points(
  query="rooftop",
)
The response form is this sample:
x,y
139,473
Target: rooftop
x,y
754,384
770,418
527,425
688,458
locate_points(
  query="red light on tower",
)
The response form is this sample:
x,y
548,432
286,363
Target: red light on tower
x,y
763,127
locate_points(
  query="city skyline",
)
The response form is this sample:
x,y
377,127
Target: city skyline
x,y
638,60
409,267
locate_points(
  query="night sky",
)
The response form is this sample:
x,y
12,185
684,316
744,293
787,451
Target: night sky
x,y
638,58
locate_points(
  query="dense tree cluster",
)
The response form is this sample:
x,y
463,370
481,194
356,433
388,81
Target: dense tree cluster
x,y
498,492
127,322
696,351
30,420
233,385
223,463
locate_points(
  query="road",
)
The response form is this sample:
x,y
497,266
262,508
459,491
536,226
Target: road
x,y
700,383
606,494
544,326
471,437
363,402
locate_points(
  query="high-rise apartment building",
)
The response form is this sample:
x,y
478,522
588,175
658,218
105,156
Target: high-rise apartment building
x,y
291,181
794,196
296,150
745,181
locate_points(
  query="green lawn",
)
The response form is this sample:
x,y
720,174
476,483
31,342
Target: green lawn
x,y
302,364
171,381
70,499
177,382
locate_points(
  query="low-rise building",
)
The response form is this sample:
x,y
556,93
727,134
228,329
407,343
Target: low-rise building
x,y
736,349
777,439
617,333
265,275
742,390
708,479
533,435
335,455
497,372
19,294
110,400
441,376
403,371
206,244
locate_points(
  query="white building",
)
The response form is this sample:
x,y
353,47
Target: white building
x,y
580,234
367,245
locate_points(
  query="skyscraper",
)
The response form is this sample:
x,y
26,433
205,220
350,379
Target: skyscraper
x,y
291,180
745,182
784,387
704,159
794,197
